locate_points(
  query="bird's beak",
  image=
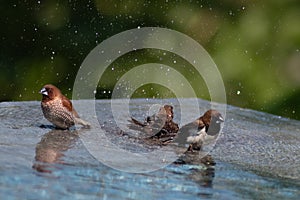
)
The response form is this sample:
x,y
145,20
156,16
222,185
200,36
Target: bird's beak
x,y
44,92
221,119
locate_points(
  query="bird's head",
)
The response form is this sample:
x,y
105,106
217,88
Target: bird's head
x,y
50,91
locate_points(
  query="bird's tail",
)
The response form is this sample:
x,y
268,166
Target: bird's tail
x,y
82,122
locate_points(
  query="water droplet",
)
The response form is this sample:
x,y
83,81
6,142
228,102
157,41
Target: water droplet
x,y
95,91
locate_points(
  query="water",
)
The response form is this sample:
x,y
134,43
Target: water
x,y
43,163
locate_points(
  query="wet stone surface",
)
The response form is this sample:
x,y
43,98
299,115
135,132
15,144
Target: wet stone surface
x,y
257,155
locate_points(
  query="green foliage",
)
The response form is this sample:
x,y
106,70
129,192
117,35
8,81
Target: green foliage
x,y
254,44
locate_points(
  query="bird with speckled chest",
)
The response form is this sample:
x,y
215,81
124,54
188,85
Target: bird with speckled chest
x,y
58,109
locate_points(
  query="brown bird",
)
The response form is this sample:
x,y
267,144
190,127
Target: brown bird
x,y
58,109
158,125
201,130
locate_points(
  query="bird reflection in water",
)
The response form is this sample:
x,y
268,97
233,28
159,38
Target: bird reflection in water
x,y
50,150
203,167
204,178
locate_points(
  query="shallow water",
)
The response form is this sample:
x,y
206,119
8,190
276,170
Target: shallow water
x,y
251,163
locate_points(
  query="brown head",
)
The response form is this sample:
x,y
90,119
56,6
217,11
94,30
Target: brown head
x,y
212,120
212,116
167,110
50,92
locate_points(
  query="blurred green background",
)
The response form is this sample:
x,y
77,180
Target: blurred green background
x,y
255,45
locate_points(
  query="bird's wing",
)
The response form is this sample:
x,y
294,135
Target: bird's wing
x,y
189,129
68,104
184,132
137,122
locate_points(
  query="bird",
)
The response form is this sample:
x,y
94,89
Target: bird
x,y
158,125
202,130
58,109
